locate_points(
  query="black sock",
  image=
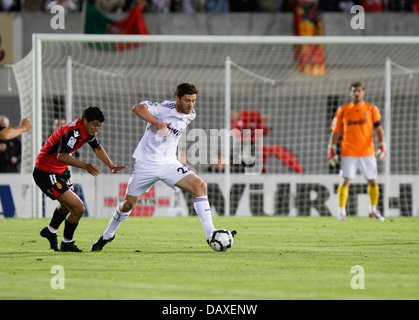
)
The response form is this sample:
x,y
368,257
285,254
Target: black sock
x,y
69,229
57,219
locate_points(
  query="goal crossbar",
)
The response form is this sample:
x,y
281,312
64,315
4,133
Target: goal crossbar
x,y
227,39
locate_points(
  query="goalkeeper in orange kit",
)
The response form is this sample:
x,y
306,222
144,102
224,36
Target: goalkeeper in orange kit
x,y
356,121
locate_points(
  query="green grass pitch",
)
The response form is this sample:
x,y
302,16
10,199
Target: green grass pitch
x,y
272,258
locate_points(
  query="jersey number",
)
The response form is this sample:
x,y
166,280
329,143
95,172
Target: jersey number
x,y
183,169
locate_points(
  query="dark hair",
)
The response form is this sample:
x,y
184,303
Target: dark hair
x,y
93,113
356,84
185,88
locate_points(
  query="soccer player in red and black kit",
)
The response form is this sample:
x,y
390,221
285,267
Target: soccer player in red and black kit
x,y
52,176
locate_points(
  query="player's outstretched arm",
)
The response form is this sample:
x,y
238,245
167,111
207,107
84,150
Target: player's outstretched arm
x,y
103,156
70,161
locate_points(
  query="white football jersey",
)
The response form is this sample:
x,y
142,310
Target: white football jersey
x,y
153,147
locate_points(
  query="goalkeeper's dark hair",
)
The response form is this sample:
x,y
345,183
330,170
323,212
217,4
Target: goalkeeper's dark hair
x,y
356,84
186,88
93,113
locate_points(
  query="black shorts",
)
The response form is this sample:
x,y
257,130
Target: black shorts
x,y
53,184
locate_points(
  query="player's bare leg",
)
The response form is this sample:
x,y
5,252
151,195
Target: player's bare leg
x,y
129,202
71,203
70,210
193,184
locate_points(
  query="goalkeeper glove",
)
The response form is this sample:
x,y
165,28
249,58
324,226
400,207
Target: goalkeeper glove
x,y
381,152
332,156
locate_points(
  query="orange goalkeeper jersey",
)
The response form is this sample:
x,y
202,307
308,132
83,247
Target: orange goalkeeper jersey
x,y
356,123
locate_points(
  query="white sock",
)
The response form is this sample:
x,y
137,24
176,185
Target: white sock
x,y
203,210
114,223
342,210
341,213
52,230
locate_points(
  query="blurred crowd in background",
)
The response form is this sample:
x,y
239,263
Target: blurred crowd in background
x,y
190,6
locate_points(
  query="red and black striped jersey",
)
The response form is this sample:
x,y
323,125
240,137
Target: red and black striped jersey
x,y
65,139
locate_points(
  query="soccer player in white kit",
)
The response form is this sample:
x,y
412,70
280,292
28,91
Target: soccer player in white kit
x,y
155,159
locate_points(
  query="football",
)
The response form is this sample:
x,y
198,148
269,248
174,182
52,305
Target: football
x,y
221,240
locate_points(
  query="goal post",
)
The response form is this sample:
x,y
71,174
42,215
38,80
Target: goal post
x,y
227,126
37,117
236,76
387,124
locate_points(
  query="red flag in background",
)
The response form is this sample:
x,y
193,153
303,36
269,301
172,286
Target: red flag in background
x,y
373,5
310,58
97,23
134,23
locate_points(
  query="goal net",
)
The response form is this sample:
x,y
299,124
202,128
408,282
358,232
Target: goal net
x,y
287,88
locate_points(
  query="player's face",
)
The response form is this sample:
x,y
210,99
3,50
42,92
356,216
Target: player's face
x,y
92,127
186,103
357,94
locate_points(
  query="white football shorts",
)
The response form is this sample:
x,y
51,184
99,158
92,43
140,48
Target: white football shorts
x,y
144,175
366,165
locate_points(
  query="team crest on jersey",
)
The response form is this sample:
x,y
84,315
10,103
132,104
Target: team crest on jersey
x,y
76,133
59,186
71,142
